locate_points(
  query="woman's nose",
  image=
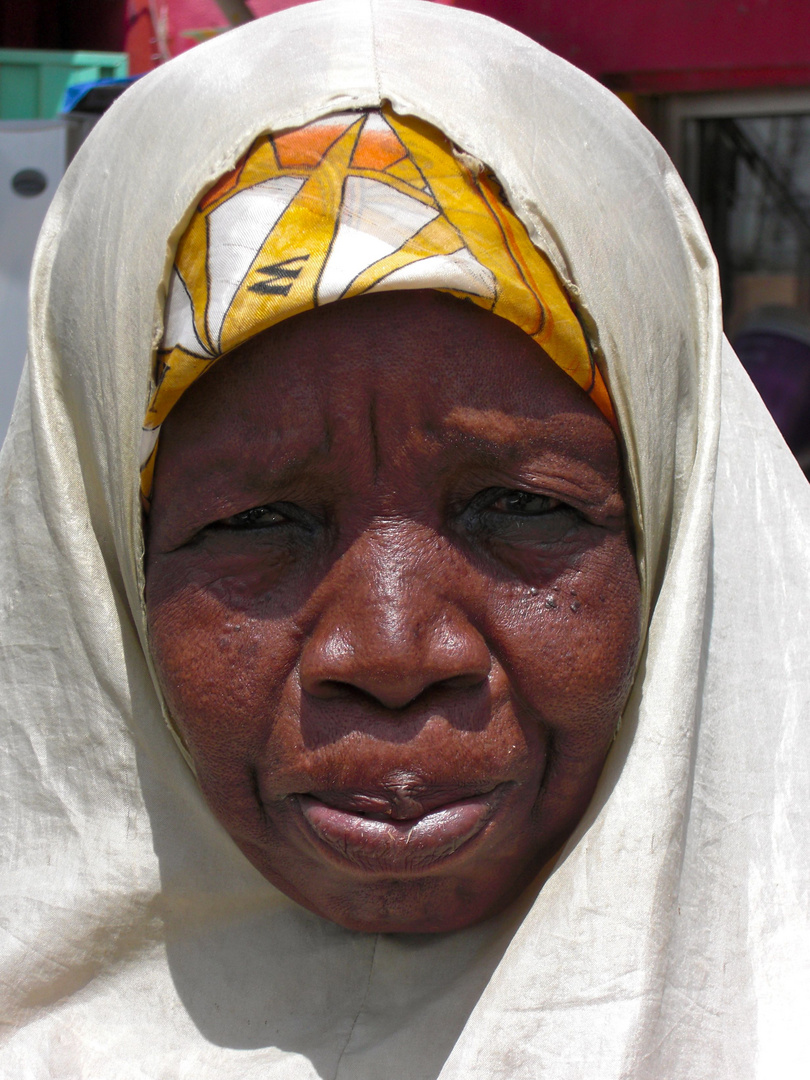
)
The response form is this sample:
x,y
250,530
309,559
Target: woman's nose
x,y
391,630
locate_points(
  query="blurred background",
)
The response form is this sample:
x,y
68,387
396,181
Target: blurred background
x,y
724,84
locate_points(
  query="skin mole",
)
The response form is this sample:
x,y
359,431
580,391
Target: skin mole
x,y
393,605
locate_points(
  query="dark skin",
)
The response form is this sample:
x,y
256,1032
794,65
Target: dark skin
x,y
393,605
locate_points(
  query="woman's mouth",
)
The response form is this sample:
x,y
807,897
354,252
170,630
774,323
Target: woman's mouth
x,y
378,837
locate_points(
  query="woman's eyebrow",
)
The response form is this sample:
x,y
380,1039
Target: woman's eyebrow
x,y
289,471
508,440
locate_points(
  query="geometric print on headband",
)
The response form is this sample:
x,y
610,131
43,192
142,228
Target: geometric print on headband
x,y
353,203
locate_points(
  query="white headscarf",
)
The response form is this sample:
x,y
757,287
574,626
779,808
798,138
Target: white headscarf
x,y
672,938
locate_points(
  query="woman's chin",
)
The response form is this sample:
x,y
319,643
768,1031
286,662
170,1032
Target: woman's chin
x,y
466,871
412,906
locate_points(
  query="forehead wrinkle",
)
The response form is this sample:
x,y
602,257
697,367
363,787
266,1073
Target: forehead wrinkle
x,y
498,434
261,480
276,455
376,451
540,449
359,428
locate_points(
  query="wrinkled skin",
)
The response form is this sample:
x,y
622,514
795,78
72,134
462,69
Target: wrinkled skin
x,y
393,605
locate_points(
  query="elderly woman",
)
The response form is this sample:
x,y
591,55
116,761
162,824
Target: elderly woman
x,y
379,454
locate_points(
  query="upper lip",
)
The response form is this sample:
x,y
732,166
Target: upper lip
x,y
398,804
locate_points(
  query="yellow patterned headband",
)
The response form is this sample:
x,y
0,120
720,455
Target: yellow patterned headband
x,y
353,203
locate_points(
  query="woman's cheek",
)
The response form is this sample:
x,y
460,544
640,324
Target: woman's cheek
x,y
244,580
222,665
216,623
571,643
543,564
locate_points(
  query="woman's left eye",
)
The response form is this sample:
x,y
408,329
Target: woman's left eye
x,y
512,516
523,503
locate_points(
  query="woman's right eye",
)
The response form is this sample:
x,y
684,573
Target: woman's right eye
x,y
258,517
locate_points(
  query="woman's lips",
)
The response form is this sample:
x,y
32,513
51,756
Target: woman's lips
x,y
368,836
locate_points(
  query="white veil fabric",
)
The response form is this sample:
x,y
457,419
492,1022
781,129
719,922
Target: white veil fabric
x,y
671,939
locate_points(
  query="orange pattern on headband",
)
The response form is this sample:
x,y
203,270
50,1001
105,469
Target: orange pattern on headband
x,y
354,203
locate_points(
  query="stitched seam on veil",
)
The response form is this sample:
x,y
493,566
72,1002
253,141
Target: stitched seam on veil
x,y
360,1008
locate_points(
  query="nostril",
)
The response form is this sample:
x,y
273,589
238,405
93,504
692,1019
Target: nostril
x,y
395,698
335,690
469,681
394,694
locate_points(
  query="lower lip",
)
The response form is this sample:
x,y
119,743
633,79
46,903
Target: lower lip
x,y
388,846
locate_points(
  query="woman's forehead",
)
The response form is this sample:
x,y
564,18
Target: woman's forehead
x,y
412,373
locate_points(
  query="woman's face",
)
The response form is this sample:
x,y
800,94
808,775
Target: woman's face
x,y
393,605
